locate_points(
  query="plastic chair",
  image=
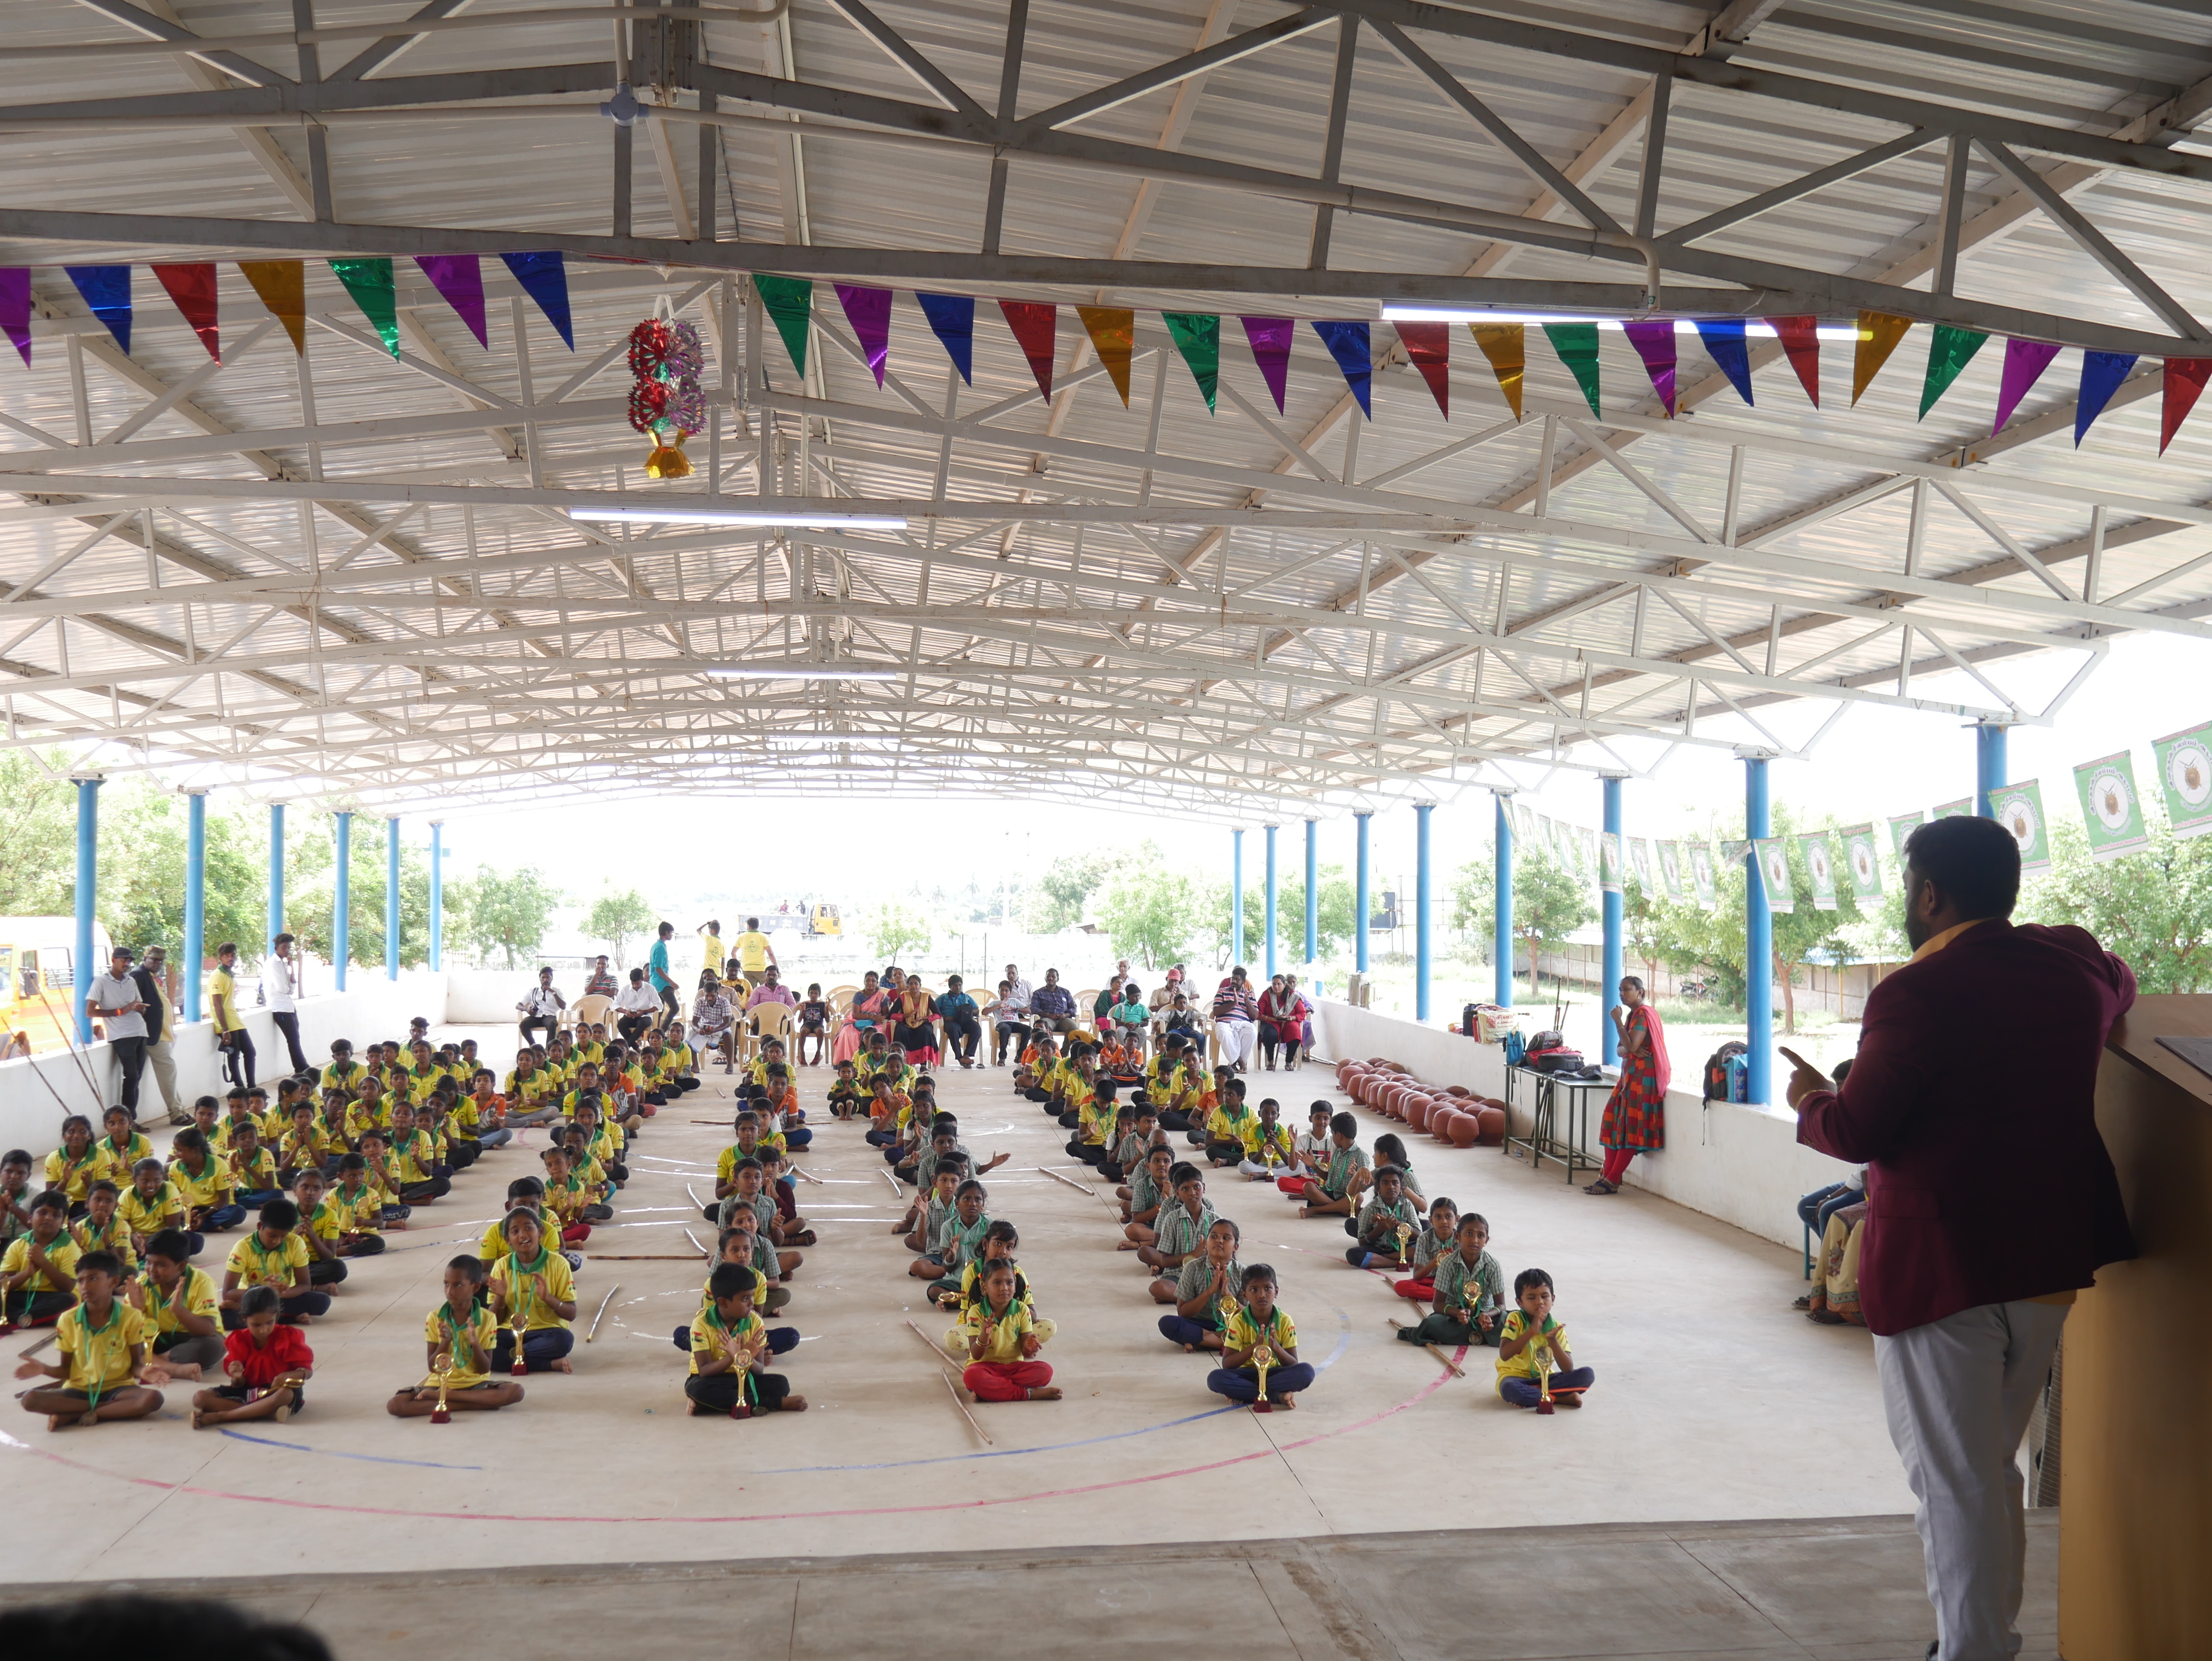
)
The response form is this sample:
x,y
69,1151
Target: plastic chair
x,y
770,1020
591,1010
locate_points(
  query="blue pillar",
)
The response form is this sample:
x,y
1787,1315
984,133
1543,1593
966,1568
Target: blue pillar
x,y
1423,945
194,953
1313,892
1360,902
88,893
276,875
1236,896
1610,909
1990,769
1501,936
1758,944
392,900
437,894
342,908
1271,901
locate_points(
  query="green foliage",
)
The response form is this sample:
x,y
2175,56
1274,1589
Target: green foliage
x,y
1334,916
37,835
1057,901
311,900
1150,915
505,911
2154,908
142,840
1550,900
894,930
619,919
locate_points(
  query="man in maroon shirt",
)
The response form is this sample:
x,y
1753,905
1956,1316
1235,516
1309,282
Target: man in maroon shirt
x,y
1990,1198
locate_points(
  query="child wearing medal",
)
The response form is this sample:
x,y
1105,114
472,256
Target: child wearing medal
x,y
534,1283
460,1333
729,1349
101,1343
1257,1332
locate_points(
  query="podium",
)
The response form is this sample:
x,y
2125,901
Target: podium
x,y
2135,1528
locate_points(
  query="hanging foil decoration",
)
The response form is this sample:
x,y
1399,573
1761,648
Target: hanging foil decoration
x,y
667,402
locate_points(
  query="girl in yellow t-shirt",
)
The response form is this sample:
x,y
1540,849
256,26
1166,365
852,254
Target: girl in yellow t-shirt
x,y
1001,1337
531,1280
459,1333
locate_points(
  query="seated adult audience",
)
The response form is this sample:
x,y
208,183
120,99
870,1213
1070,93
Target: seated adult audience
x,y
635,1007
1052,1006
542,1008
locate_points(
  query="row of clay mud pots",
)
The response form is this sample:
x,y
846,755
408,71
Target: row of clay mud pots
x,y
1449,1113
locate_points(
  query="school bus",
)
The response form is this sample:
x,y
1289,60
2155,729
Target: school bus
x,y
40,990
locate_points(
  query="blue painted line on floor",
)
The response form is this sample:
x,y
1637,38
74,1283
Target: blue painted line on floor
x,y
333,1453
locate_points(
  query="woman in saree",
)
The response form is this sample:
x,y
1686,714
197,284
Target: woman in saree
x,y
1636,1113
865,1015
915,1032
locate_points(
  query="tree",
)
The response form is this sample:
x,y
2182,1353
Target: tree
x,y
1150,916
895,930
509,912
1334,918
37,835
309,911
619,919
2152,908
142,844
1061,894
1550,902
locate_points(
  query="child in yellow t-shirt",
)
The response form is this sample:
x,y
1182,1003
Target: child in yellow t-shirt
x,y
1000,1337
101,1343
532,1281
102,1230
459,1333
729,1373
122,1147
273,1255
1533,1362
1257,1327
38,1272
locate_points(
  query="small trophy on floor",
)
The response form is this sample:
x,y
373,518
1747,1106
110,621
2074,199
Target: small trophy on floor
x,y
442,1364
1263,1359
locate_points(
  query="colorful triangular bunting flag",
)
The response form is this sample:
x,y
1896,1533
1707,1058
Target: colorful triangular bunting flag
x,y
1801,340
16,307
2101,375
1879,334
1577,345
1036,326
952,320
458,279
1428,348
281,286
1270,340
1506,346
1197,336
1950,349
2183,384
192,287
869,312
2024,360
1724,343
1348,344
544,278
1654,340
107,289
369,282
790,304
1113,331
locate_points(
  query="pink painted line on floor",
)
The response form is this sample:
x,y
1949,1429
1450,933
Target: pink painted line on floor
x,y
1415,1400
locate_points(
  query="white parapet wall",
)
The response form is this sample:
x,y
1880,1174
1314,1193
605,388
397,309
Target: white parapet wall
x,y
38,1093
1741,1164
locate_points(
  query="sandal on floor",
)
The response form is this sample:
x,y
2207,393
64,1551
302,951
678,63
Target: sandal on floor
x,y
1602,1186
1803,1303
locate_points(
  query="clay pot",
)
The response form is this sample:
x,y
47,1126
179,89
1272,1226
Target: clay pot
x,y
1490,1127
1417,1112
1465,1129
1440,1122
1396,1098
1460,1090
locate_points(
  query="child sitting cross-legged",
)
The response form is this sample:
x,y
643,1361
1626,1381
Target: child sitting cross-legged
x,y
1178,1231
38,1274
1269,1145
934,1204
1000,1337
530,1286
266,1362
960,1240
736,1247
1469,1293
1150,1188
1257,1328
729,1373
1205,1289
1386,1224
101,1344
460,1333
1534,1360
1429,1245
1331,1195
273,1255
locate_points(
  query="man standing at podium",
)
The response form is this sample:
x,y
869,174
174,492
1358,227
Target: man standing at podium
x,y
1990,1198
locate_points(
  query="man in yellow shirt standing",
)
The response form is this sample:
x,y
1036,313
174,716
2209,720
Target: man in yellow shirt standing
x,y
754,953
710,946
230,1034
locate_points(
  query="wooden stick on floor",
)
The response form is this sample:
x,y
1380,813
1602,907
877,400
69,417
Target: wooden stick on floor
x,y
1452,1366
951,1388
639,1257
601,1316
808,1177
1082,1187
696,1199
893,1181
694,1239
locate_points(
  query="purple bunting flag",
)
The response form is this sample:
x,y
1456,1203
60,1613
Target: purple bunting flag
x,y
458,279
1654,340
16,307
869,312
1270,340
2023,362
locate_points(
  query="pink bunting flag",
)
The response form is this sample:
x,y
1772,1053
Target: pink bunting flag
x,y
2023,362
869,312
1654,340
458,279
16,307
1270,339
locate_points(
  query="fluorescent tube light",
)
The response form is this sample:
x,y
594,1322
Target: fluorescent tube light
x,y
799,518
1753,328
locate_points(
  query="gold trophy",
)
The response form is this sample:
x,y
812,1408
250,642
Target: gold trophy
x,y
1261,1360
1543,1374
442,1364
1405,1240
518,1317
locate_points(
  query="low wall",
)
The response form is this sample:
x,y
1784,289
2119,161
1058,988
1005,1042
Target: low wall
x,y
36,1094
1741,1164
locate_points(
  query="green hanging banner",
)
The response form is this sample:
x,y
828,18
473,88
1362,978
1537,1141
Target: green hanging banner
x,y
1198,337
1949,350
1577,345
790,302
369,282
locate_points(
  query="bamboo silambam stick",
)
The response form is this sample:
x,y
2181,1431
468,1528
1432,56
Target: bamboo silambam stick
x,y
1083,1187
1450,1366
639,1257
952,1389
893,1181
601,1316
84,1068
694,1239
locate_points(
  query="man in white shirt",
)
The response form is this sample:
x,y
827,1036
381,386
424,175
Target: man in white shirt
x,y
542,1008
635,1007
112,999
281,989
1018,998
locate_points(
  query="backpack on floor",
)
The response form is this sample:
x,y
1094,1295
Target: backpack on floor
x,y
1721,1078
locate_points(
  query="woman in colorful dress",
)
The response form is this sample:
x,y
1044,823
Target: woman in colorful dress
x,y
864,1016
1636,1113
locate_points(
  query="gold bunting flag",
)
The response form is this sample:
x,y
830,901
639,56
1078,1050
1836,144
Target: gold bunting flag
x,y
1506,346
1113,331
1879,334
282,285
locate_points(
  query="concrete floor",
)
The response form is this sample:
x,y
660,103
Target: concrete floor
x,y
1714,1400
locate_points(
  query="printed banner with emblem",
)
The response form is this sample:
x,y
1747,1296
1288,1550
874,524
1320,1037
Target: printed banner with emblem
x,y
1902,825
1962,808
1670,870
1774,875
1608,861
1639,861
1701,875
2019,808
1821,866
2112,807
2185,768
1862,862
1586,846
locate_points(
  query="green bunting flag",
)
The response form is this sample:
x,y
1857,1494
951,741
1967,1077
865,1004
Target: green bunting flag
x,y
1961,809
1701,876
1577,345
1670,870
1902,825
790,302
1821,866
2112,808
1639,861
2019,808
1863,862
1198,337
2185,768
1774,875
1949,350
1608,862
369,282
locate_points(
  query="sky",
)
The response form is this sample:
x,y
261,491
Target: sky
x,y
1875,762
